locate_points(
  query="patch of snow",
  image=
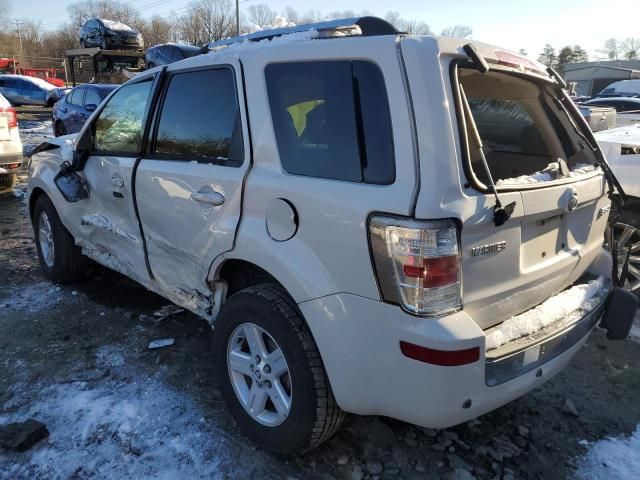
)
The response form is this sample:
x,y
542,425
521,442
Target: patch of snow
x,y
563,308
118,430
30,298
247,44
549,174
614,458
279,22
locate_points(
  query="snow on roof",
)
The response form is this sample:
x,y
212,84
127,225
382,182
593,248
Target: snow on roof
x,y
115,25
281,40
614,458
627,135
38,81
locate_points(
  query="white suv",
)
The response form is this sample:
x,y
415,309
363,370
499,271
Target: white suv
x,y
10,144
322,195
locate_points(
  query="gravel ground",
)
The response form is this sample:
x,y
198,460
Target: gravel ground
x,y
76,358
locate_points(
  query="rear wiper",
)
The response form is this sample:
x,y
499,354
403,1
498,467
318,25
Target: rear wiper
x,y
500,214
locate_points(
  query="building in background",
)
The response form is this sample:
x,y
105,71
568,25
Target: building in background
x,y
591,77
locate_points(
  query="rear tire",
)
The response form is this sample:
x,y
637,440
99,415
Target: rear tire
x,y
60,259
313,415
7,181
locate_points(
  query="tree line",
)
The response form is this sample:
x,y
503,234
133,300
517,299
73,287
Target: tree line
x,y
198,23
612,49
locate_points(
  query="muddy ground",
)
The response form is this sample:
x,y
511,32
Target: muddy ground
x,y
76,358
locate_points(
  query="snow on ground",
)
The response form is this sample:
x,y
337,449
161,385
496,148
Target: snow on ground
x,y
30,298
547,175
139,429
33,133
634,336
614,458
564,307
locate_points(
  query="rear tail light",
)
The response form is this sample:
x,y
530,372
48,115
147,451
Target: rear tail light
x,y
11,113
417,264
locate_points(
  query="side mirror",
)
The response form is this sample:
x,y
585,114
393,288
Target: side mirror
x,y
90,107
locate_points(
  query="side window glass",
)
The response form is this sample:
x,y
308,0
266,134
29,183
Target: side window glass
x,y
78,97
118,128
200,118
92,97
320,112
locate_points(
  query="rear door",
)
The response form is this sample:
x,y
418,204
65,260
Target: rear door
x,y
189,184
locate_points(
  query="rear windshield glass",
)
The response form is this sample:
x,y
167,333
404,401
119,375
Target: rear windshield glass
x,y
527,134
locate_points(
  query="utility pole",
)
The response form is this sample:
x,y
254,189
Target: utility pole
x,y
18,23
237,17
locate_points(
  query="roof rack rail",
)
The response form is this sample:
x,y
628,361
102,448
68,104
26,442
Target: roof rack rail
x,y
368,26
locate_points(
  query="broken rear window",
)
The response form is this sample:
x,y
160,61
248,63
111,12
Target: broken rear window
x,y
527,134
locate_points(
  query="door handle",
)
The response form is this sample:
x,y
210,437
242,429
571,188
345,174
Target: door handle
x,y
214,198
117,181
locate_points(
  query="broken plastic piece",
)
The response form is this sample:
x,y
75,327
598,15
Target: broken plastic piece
x,y
164,342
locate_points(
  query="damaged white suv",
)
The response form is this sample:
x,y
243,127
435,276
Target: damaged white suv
x,y
323,196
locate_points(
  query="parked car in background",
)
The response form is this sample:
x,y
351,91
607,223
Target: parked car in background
x,y
10,144
7,65
598,118
628,108
167,53
70,113
340,272
621,88
621,146
25,90
110,35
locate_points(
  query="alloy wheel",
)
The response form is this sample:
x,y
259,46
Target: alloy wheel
x,y
259,374
627,238
45,239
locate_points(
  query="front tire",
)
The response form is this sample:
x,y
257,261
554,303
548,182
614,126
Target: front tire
x,y
60,259
270,372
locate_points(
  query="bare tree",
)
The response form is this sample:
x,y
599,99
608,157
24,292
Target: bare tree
x,y
393,18
261,14
207,21
630,48
156,30
80,12
291,14
415,27
311,16
610,49
459,31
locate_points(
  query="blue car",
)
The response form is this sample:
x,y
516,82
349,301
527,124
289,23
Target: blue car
x,y
24,90
70,113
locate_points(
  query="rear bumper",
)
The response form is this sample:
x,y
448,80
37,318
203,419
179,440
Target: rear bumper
x,y
10,163
359,341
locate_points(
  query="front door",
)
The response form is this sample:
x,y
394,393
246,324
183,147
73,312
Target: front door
x,y
109,226
189,185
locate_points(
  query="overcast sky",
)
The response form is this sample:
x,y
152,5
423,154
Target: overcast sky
x,y
514,24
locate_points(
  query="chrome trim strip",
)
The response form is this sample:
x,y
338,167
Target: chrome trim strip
x,y
499,370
